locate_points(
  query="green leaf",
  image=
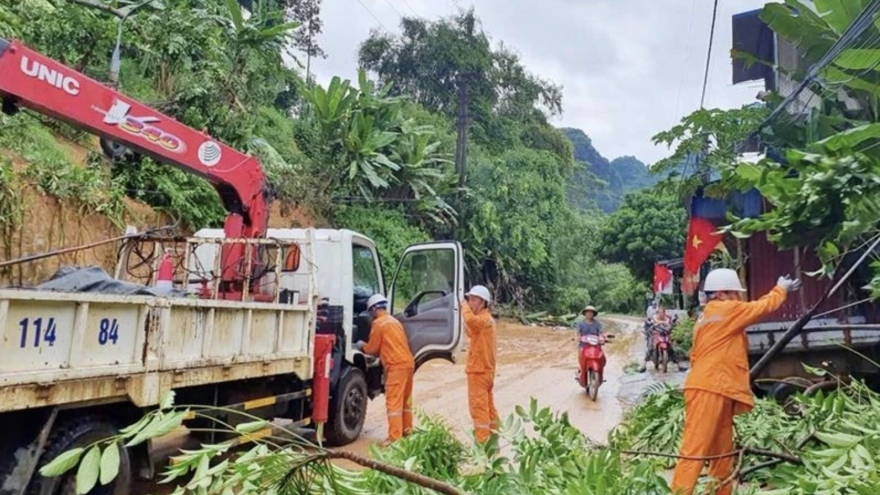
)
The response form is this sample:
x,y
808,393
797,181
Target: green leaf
x,y
167,401
251,426
63,463
814,371
89,468
235,13
110,463
838,439
160,425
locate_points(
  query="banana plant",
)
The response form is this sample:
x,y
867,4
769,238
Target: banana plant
x,y
374,151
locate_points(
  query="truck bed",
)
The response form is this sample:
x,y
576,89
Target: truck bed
x,y
818,335
62,348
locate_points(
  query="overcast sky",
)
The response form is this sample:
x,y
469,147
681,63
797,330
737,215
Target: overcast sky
x,y
629,68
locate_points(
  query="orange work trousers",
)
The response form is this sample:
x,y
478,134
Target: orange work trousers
x,y
398,401
708,431
482,404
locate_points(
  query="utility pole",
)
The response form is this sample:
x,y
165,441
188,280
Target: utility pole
x,y
461,141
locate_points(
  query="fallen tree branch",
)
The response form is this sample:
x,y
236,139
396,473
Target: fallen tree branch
x,y
415,478
779,456
773,462
683,457
100,6
736,470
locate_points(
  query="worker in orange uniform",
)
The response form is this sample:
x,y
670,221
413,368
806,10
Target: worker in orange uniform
x,y
718,387
480,327
388,341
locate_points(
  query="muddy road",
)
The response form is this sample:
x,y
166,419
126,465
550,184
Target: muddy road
x,y
532,361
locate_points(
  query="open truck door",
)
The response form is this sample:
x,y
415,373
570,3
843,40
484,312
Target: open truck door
x,y
425,296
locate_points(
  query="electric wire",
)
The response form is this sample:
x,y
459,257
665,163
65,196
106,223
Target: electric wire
x,y
405,2
394,8
372,14
687,46
709,52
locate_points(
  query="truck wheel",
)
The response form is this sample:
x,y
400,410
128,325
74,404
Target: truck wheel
x,y
348,409
73,433
113,150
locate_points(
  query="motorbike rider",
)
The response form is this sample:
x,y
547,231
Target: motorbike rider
x,y
718,387
660,320
588,326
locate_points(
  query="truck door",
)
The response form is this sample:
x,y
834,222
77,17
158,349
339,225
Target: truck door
x,y
425,296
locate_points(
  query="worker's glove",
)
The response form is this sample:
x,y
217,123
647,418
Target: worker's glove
x,y
359,345
789,284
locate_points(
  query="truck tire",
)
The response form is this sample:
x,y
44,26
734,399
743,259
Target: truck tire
x,y
70,434
113,150
348,409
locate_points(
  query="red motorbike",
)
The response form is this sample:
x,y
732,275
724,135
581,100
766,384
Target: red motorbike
x,y
662,346
592,363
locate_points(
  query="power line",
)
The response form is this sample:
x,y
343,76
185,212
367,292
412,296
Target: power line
x,y
372,14
394,8
687,47
405,2
709,53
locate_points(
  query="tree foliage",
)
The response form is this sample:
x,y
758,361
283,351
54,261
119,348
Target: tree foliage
x,y
429,60
649,226
822,160
706,142
371,154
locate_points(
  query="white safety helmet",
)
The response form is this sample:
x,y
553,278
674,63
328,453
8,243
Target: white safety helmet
x,y
723,279
375,300
481,292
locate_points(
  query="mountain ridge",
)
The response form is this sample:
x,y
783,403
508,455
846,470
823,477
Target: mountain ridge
x,y
600,183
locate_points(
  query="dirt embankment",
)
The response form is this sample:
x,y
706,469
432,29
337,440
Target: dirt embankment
x,y
46,223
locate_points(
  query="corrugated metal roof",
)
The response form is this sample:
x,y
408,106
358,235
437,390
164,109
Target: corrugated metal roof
x,y
766,263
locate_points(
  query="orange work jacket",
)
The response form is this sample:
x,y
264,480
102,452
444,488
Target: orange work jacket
x,y
720,354
388,341
480,328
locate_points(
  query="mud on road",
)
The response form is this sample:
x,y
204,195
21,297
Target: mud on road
x,y
532,362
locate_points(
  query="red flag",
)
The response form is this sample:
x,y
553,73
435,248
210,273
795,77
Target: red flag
x,y
702,239
662,279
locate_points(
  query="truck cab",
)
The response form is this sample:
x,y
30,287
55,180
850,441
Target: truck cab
x,y
424,294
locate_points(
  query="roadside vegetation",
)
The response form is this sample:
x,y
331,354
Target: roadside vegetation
x,y
537,214
376,155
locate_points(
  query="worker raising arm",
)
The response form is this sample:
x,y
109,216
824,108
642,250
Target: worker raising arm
x,y
480,327
388,341
718,388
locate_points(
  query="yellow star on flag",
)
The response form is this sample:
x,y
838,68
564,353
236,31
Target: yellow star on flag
x,y
696,242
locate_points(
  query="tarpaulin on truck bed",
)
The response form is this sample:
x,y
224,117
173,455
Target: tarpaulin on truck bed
x,y
95,279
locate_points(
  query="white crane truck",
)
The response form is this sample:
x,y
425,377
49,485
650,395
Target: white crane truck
x,y
238,328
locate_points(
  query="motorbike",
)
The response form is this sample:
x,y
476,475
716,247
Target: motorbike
x,y
662,343
592,363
